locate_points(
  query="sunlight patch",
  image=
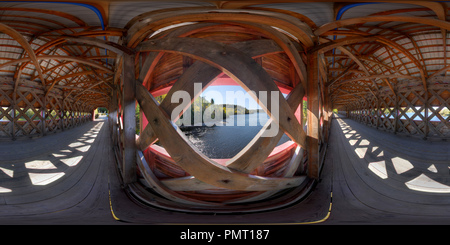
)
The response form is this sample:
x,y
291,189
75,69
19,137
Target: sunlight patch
x,y
76,144
72,161
90,140
4,190
8,172
39,164
44,178
58,155
364,142
379,168
375,148
426,184
401,165
84,148
361,151
432,168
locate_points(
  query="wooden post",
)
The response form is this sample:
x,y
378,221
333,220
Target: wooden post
x,y
378,112
61,112
14,107
396,107
113,115
327,115
312,139
44,116
72,116
129,120
427,119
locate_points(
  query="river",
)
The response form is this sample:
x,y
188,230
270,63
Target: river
x,y
225,140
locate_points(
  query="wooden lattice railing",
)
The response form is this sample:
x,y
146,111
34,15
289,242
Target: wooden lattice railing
x,y
412,111
256,56
26,112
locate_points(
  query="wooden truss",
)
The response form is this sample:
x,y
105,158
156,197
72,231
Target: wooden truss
x,y
54,85
29,113
387,70
247,51
411,111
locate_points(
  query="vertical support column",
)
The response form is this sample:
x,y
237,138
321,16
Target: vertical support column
x,y
312,140
129,120
427,119
378,111
44,115
327,115
61,112
14,116
396,112
113,115
72,115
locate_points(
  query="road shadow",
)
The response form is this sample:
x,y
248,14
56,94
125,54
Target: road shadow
x,y
33,170
402,162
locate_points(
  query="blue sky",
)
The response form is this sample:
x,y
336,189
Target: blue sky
x,y
219,94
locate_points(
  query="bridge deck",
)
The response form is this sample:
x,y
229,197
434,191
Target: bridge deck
x,y
379,177
374,178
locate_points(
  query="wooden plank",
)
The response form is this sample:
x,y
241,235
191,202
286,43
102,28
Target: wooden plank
x,y
202,73
312,139
164,188
285,43
83,60
194,162
150,22
129,120
253,154
360,20
238,66
26,46
112,46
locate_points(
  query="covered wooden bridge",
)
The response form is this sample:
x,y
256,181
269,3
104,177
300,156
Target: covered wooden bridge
x,y
361,92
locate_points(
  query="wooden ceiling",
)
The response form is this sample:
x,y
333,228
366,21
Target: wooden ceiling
x,y
366,46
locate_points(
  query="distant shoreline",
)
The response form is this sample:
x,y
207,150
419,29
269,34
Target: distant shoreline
x,y
187,128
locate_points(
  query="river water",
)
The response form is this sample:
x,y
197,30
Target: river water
x,y
226,139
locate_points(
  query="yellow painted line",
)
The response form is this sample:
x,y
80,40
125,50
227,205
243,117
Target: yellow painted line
x,y
110,201
299,223
111,208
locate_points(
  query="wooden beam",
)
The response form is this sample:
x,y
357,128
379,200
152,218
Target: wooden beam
x,y
129,120
199,72
361,20
194,162
114,47
148,23
237,65
371,77
26,46
312,139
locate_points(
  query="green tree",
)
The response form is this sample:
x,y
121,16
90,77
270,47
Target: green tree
x,y
138,118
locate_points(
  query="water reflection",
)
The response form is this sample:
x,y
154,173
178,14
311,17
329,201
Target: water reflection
x,y
227,140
